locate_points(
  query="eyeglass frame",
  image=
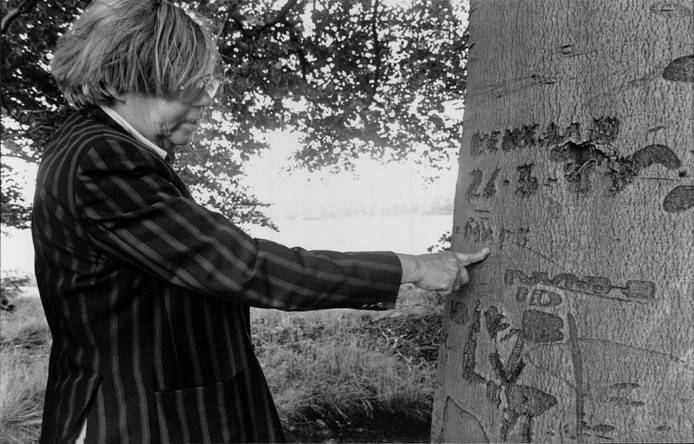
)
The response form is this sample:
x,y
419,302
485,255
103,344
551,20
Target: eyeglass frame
x,y
191,93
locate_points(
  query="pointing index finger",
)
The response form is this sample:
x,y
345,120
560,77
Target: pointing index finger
x,y
471,258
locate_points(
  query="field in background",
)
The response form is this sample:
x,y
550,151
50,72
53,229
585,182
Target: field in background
x,y
336,375
404,234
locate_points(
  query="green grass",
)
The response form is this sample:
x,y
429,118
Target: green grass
x,y
336,375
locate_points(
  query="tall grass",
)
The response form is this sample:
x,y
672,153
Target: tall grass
x,y
344,379
341,370
24,349
333,374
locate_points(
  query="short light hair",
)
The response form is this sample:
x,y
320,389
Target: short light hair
x,y
146,47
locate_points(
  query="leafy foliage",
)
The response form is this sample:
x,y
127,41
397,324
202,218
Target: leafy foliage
x,y
349,76
12,211
10,289
442,244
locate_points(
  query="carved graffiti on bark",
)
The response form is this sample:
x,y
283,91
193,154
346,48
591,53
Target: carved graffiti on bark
x,y
597,286
602,130
585,154
476,230
522,402
679,199
582,160
680,69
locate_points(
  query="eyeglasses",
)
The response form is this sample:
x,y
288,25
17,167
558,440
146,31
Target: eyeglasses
x,y
192,92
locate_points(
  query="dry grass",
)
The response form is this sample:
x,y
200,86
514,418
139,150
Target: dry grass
x,y
338,375
24,349
350,375
323,387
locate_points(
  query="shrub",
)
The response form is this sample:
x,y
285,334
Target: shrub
x,y
9,289
442,244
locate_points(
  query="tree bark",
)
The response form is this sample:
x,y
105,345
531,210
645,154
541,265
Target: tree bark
x,y
577,168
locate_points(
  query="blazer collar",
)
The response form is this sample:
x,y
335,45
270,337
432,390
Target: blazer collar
x,y
109,117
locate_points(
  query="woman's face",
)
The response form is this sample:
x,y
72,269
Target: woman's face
x,y
177,121
165,122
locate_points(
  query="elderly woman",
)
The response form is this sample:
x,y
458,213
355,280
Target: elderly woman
x,y
147,294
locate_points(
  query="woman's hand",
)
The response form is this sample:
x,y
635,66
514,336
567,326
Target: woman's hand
x,y
444,272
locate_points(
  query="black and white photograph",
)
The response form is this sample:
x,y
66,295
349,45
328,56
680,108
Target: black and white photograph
x,y
347,221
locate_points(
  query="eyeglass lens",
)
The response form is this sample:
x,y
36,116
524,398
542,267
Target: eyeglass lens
x,y
192,92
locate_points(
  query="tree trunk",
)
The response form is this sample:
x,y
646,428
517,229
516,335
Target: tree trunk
x,y
577,168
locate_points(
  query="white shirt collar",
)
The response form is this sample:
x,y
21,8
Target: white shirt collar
x,y
129,128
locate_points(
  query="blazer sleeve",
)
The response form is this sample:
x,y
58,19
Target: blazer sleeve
x,y
132,211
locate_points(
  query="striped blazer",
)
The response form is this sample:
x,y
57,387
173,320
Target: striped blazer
x,y
147,297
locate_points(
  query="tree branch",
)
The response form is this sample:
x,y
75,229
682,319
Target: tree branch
x,y
299,51
225,22
238,19
377,52
280,15
24,7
